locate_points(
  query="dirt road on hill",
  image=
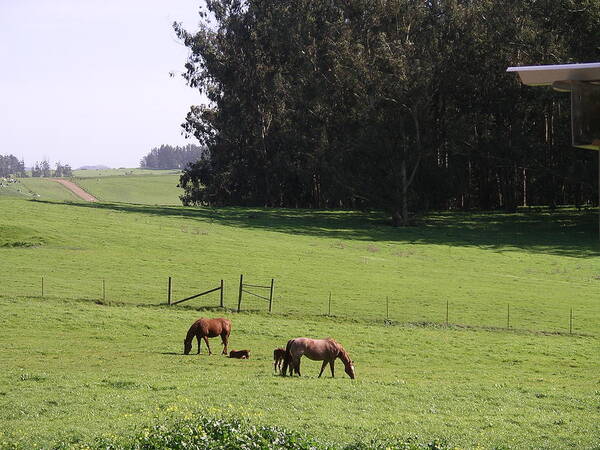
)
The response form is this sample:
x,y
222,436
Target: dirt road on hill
x,y
76,190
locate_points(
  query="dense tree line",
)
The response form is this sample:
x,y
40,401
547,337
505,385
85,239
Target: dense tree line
x,y
168,157
397,104
11,166
42,169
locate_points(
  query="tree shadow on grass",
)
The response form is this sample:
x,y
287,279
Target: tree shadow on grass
x,y
564,231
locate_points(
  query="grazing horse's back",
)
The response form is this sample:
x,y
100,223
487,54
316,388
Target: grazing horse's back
x,y
213,327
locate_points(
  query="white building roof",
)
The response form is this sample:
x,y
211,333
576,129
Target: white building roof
x,y
559,76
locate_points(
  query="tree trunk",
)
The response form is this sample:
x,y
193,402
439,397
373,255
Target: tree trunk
x,y
404,193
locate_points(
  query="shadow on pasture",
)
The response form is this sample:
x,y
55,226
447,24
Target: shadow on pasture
x,y
563,231
171,353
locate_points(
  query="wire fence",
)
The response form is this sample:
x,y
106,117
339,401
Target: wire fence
x,y
563,317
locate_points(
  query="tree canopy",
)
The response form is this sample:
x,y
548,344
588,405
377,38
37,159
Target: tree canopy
x,y
10,165
395,104
169,157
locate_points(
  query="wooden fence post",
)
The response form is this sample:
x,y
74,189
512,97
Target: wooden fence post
x,y
447,308
240,294
571,322
221,293
169,293
271,296
387,308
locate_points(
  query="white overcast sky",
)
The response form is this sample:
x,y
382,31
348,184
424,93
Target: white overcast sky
x,y
87,81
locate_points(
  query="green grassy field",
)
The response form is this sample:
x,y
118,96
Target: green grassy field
x,y
95,173
78,369
38,188
156,188
138,186
81,369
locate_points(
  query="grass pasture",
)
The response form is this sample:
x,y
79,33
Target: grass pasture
x,y
95,173
539,264
154,188
91,370
76,367
38,188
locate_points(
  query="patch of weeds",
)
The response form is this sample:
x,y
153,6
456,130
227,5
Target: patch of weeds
x,y
232,433
162,388
121,384
18,244
30,377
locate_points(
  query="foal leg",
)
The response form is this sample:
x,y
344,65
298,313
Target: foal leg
x,y
331,365
322,368
207,345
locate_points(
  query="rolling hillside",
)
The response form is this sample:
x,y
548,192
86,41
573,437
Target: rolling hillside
x,y
81,363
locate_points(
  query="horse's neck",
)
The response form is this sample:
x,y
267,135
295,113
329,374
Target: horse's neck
x,y
191,333
344,356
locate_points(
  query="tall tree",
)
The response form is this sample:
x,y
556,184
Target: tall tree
x,y
395,104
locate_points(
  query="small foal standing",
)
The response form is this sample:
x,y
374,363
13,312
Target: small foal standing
x,y
207,328
278,357
326,350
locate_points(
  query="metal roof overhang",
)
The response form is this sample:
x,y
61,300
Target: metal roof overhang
x,y
559,76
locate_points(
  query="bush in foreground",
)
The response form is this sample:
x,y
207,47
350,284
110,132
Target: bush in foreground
x,y
206,433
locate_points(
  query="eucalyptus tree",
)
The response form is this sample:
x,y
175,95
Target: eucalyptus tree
x,y
395,104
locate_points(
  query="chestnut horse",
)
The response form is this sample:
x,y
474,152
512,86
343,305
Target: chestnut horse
x,y
207,328
326,350
278,357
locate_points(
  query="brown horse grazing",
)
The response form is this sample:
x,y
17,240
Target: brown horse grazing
x,y
278,357
240,354
326,350
207,328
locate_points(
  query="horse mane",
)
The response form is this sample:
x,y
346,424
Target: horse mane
x,y
342,353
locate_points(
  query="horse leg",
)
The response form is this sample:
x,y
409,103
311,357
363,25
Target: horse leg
x,y
298,367
207,345
224,339
322,368
199,341
331,365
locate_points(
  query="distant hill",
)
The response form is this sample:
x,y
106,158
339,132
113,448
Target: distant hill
x,y
98,167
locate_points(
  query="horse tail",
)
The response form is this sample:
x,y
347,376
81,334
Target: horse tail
x,y
287,358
